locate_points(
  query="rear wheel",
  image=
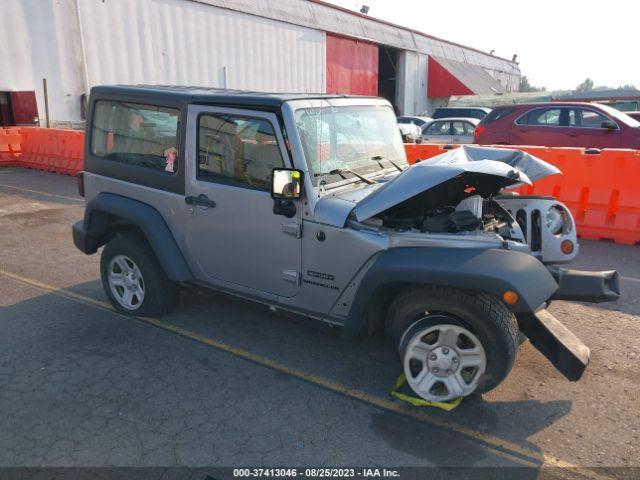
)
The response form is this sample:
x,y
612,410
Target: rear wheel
x,y
452,342
133,279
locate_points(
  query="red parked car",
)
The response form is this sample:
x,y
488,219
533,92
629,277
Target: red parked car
x,y
634,115
559,124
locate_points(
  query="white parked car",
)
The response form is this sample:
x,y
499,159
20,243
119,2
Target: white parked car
x,y
411,133
450,130
415,120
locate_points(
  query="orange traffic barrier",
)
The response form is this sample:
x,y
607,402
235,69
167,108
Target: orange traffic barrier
x,y
37,144
52,150
600,187
421,151
10,146
70,152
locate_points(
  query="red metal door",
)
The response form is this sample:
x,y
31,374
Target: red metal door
x,y
6,119
352,66
24,107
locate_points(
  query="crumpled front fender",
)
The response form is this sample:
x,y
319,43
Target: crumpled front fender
x,y
490,270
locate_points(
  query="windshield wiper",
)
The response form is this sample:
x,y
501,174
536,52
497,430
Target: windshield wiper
x,y
342,171
378,159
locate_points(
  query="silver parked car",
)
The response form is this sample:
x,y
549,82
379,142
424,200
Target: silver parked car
x,y
306,204
450,131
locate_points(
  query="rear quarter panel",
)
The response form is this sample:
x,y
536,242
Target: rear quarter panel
x,y
170,205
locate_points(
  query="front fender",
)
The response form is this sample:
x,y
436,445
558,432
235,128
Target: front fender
x,y
490,270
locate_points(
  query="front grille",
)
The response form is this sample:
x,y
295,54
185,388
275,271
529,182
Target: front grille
x,y
535,241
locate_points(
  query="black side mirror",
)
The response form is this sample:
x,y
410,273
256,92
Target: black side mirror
x,y
284,207
609,125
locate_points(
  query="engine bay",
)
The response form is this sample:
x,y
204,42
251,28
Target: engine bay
x,y
458,205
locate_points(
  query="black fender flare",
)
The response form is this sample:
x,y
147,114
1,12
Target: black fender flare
x,y
141,215
490,270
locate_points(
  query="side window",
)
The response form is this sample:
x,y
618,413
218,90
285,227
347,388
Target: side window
x,y
584,118
463,128
541,117
141,135
496,114
438,128
237,149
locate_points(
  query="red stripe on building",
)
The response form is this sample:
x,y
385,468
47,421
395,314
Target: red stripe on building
x,y
441,83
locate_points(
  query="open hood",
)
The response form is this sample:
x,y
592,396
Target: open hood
x,y
532,167
488,169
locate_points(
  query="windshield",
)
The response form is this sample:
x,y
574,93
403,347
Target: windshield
x,y
353,137
618,115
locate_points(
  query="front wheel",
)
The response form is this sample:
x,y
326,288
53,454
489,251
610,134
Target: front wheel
x,y
452,342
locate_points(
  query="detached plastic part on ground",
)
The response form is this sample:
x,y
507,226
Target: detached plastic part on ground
x,y
421,402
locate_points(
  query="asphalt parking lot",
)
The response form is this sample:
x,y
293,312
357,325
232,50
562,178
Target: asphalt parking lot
x,y
229,383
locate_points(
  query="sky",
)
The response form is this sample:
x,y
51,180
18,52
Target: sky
x,y
559,43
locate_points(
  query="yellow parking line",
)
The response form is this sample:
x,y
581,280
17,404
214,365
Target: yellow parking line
x,y
42,193
505,448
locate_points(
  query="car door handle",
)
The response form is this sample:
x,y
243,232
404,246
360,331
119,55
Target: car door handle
x,y
201,200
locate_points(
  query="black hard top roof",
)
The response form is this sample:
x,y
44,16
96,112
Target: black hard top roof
x,y
211,95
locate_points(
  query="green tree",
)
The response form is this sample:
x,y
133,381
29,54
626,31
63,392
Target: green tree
x,y
585,86
525,86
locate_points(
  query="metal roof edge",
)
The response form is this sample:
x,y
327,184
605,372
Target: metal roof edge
x,y
260,9
411,30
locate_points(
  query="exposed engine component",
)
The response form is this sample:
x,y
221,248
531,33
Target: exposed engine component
x,y
471,204
465,211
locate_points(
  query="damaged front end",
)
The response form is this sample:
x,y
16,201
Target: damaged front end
x,y
465,190
459,197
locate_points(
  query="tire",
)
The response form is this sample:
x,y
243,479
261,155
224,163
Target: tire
x,y
484,316
157,293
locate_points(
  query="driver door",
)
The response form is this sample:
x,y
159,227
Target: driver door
x,y
233,237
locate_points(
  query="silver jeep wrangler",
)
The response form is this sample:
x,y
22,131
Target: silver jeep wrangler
x,y
306,203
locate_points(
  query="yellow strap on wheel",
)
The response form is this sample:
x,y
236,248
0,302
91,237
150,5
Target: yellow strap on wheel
x,y
421,402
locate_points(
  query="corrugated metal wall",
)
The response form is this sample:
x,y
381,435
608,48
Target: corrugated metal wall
x,y
150,41
352,66
187,43
270,45
412,83
327,18
39,39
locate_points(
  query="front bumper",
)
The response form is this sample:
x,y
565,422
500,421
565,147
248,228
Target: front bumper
x,y
556,342
584,286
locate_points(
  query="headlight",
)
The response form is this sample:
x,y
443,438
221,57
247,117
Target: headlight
x,y
557,220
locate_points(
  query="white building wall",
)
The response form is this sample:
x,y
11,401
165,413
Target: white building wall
x,y
39,39
178,42
171,42
412,83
